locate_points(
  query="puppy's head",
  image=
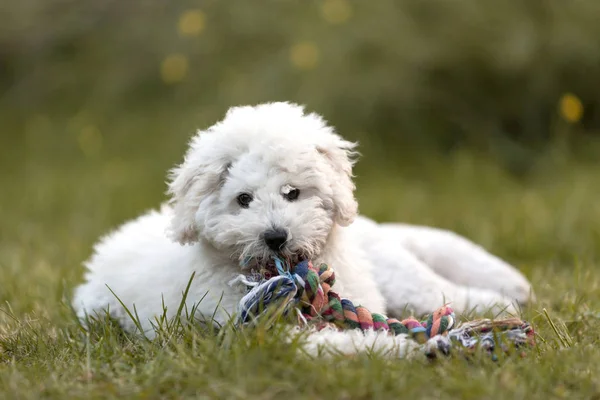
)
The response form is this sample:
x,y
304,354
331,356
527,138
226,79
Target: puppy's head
x,y
266,180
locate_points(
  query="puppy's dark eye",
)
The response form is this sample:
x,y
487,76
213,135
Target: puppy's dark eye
x,y
244,200
292,195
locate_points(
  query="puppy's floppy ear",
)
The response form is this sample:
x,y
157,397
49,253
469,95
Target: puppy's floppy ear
x,y
341,156
201,174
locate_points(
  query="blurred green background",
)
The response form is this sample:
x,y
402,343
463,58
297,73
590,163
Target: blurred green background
x,y
481,117
401,76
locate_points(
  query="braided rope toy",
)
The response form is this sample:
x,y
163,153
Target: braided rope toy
x,y
306,289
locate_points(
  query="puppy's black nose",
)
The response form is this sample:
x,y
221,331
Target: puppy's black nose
x,y
275,239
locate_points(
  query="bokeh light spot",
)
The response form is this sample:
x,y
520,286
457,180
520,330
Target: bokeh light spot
x,y
191,23
571,108
336,11
304,55
90,141
174,68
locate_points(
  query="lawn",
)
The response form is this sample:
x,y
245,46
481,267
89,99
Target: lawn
x,y
64,183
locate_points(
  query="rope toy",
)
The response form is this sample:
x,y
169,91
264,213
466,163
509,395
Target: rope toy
x,y
306,289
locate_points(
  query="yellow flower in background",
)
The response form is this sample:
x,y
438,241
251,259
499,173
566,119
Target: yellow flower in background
x,y
571,108
191,23
336,11
304,55
90,141
174,68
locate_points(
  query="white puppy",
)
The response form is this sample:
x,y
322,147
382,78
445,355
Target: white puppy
x,y
271,179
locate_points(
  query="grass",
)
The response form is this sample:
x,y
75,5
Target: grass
x,y
60,192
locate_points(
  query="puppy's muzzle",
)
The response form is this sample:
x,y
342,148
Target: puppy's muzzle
x,y
275,239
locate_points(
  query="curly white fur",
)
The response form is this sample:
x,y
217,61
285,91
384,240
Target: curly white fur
x,y
266,151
